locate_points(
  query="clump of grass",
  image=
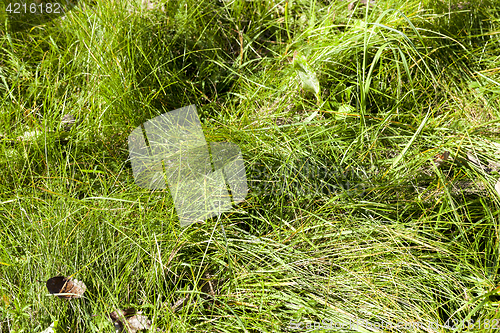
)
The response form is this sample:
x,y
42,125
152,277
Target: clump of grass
x,y
348,222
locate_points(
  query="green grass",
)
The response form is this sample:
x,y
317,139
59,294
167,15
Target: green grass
x,y
347,218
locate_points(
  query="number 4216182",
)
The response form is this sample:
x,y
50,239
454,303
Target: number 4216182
x,y
34,8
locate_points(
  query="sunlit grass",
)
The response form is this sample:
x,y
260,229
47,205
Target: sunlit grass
x,y
349,221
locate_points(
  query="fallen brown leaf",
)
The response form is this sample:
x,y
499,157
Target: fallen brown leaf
x,y
440,159
128,321
66,287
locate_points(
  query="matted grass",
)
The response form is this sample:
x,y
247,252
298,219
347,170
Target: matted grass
x,y
349,225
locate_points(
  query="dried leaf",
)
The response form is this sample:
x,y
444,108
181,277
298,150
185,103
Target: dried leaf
x,y
67,122
497,187
440,159
128,321
65,287
138,323
116,315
